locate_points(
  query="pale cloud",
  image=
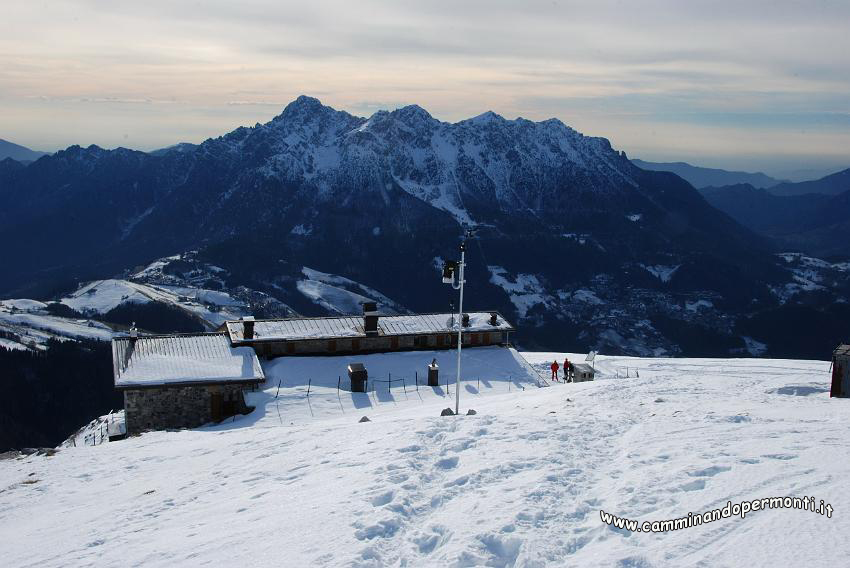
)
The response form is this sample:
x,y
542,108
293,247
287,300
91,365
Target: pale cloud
x,y
716,80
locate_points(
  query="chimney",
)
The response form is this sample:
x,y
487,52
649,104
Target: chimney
x,y
370,318
248,327
131,347
494,319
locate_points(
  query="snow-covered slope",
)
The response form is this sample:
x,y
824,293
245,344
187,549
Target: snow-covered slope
x,y
27,324
519,484
342,295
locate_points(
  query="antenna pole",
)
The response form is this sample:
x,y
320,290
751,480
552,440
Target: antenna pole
x,y
460,326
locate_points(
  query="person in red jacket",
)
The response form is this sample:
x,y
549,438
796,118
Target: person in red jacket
x,y
566,370
554,368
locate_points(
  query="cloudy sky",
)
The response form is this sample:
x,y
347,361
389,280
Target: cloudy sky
x,y
748,85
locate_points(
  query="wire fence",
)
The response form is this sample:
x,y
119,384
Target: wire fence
x,y
374,385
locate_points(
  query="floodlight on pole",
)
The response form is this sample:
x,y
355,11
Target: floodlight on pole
x,y
453,273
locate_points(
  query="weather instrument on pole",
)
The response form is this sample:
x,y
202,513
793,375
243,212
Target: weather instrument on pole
x,y
453,274
449,272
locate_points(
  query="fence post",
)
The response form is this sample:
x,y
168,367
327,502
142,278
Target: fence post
x,y
338,380
404,385
417,380
278,388
309,384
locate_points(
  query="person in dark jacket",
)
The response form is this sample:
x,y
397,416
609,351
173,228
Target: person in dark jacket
x,y
554,368
567,369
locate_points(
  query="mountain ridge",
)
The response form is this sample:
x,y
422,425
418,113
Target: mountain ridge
x,y
18,153
574,242
701,177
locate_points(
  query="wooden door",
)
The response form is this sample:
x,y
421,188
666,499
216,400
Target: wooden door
x,y
216,406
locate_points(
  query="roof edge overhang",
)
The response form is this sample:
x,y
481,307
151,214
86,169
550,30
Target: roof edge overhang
x,y
196,383
343,337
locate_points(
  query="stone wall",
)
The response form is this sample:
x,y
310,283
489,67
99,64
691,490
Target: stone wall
x,y
379,344
177,406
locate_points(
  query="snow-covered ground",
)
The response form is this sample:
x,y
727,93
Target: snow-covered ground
x,y
519,484
209,306
26,324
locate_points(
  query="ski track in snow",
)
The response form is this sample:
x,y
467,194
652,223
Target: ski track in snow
x,y
300,482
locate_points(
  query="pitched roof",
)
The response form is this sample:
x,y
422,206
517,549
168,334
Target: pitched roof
x,y
352,326
182,359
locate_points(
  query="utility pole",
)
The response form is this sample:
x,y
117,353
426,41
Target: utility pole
x,y
453,273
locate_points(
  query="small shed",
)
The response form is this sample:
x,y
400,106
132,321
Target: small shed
x,y
182,381
582,372
840,372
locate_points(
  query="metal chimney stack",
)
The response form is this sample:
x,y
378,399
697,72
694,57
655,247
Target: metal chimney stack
x,y
248,327
370,318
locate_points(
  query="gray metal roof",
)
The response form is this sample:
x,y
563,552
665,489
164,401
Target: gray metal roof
x,y
292,329
182,359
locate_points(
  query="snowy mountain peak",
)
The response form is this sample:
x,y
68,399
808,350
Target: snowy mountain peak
x,y
488,117
306,110
413,115
303,103
468,169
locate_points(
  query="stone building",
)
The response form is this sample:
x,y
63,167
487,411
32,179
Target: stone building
x,y
187,380
182,381
369,333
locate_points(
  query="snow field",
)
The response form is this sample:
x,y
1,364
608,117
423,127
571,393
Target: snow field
x,y
519,484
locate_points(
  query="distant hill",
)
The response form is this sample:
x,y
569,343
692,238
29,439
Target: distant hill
x,y
705,177
815,223
833,184
180,147
18,152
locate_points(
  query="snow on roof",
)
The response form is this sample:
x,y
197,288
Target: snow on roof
x,y
352,326
182,359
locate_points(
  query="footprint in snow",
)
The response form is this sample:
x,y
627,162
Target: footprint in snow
x,y
382,529
382,499
779,456
447,463
709,471
695,485
462,480
427,543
